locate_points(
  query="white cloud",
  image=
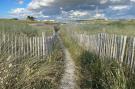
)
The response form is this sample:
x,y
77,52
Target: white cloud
x,y
53,7
20,13
132,0
119,7
79,13
24,12
100,16
70,8
76,15
20,1
103,1
65,4
36,4
17,11
115,0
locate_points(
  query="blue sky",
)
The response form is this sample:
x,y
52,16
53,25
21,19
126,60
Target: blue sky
x,y
68,9
7,5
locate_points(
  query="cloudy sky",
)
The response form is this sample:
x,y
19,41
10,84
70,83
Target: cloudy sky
x,y
67,9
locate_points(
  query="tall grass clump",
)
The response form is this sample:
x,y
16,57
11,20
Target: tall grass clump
x,y
18,27
104,73
111,27
94,72
26,71
31,72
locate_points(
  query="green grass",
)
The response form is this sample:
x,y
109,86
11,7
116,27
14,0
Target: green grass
x,y
111,27
26,72
23,27
97,73
30,72
48,29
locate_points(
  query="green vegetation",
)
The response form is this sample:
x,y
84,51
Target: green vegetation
x,y
93,72
29,72
44,28
50,22
24,27
97,73
17,26
111,27
31,18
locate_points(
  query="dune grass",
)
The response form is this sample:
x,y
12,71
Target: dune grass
x,y
97,73
23,27
26,72
111,27
30,73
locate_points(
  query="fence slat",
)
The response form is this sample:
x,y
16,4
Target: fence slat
x,y
17,45
105,45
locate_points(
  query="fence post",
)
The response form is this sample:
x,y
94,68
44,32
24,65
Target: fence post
x,y
123,48
133,54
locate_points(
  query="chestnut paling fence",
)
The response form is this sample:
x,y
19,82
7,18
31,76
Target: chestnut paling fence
x,y
106,45
22,45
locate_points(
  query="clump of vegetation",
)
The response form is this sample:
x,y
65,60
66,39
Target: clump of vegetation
x,y
31,18
29,72
104,73
97,73
50,22
24,28
111,27
18,27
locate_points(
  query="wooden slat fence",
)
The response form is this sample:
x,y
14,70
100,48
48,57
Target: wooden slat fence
x,y
21,45
119,47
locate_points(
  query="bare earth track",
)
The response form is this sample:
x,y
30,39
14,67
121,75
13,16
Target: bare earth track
x,y
68,80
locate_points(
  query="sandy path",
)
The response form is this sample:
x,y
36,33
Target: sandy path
x,y
68,80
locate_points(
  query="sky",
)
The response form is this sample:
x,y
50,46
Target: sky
x,y
68,9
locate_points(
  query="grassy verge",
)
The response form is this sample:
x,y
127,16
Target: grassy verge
x,y
25,28
95,73
30,73
26,72
17,27
48,29
110,27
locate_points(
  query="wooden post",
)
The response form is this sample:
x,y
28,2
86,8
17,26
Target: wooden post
x,y
123,48
133,53
15,46
38,43
30,45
